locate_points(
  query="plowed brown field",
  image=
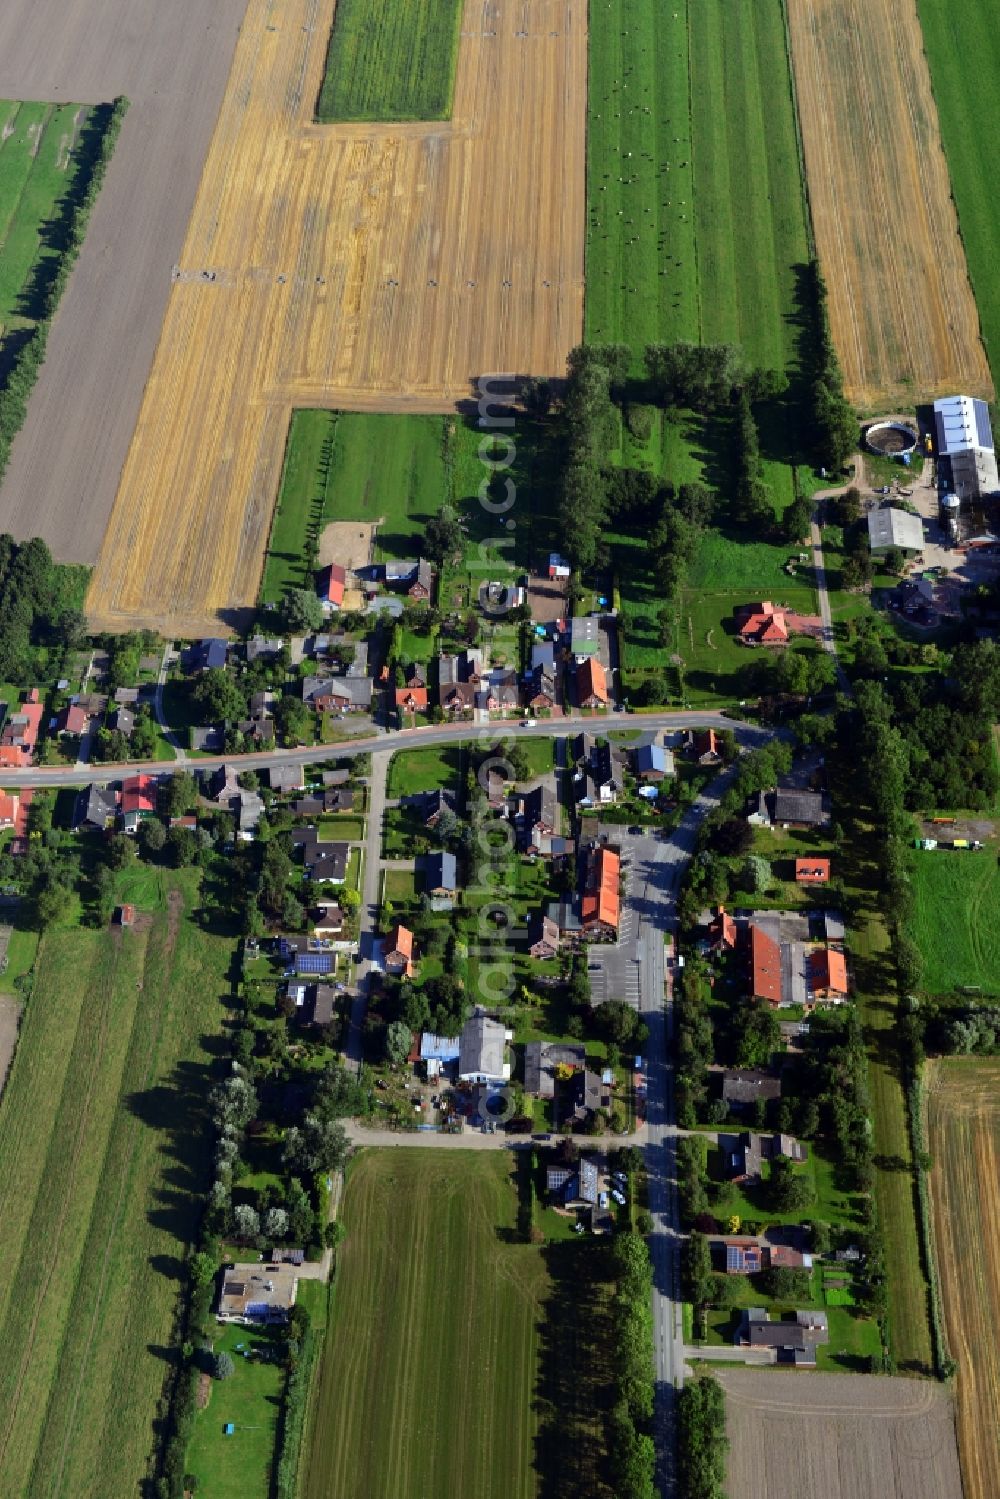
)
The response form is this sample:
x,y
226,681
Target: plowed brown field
x,y
903,316
963,1106
838,1436
351,266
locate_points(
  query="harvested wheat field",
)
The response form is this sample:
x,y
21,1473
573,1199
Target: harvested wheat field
x,y
172,62
963,1109
350,266
903,316
838,1436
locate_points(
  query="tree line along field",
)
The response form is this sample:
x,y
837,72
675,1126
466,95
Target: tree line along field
x,y
101,1162
391,61
695,212
448,1336
366,267
37,143
970,126
956,920
963,1115
902,313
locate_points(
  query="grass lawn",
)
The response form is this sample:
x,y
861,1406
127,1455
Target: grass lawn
x,y
696,216
239,1466
21,952
956,919
341,829
400,886
416,770
391,60
457,1356
103,1159
970,120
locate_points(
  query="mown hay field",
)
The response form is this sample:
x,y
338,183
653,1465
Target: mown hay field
x,y
428,1378
956,919
371,267
902,312
391,61
695,210
101,1161
838,1436
963,1109
956,31
37,143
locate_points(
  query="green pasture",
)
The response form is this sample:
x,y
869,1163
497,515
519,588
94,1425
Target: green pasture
x,y
956,919
238,1466
391,60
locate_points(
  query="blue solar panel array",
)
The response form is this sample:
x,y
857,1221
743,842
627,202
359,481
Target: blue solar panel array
x,y
314,962
984,432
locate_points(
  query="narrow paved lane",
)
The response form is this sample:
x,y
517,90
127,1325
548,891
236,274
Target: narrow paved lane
x,y
368,915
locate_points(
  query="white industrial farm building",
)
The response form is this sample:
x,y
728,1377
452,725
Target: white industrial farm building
x,y
965,442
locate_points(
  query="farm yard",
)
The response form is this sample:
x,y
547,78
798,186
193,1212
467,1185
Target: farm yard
x,y
838,1436
353,467
902,312
101,1162
963,1113
956,920
391,62
395,299
970,123
695,212
171,62
435,1294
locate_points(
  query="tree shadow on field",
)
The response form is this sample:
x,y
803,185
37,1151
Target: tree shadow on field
x,y
177,1110
574,1389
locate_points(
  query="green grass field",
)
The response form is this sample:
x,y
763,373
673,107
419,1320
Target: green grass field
x,y
416,770
458,1359
954,31
391,61
696,214
102,1153
354,466
956,919
239,1466
34,173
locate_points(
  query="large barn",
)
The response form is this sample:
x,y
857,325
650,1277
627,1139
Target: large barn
x,y
965,443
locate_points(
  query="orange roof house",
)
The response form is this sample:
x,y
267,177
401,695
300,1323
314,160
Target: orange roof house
x,y
139,794
8,809
411,699
20,731
397,953
705,744
599,910
828,974
722,932
761,624
812,871
336,578
765,966
591,684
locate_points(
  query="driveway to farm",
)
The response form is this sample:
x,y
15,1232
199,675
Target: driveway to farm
x,y
819,568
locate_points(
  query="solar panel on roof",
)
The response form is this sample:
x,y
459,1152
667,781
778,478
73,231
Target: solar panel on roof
x,y
314,962
984,432
734,1257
